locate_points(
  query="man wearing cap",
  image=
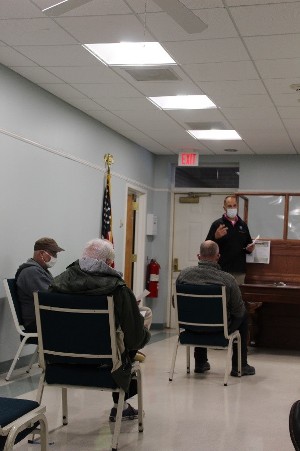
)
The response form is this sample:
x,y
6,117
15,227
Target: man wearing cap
x,y
34,275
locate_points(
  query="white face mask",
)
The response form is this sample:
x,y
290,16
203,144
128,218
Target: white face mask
x,y
231,212
51,262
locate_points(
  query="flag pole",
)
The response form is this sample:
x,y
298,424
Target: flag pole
x,y
106,226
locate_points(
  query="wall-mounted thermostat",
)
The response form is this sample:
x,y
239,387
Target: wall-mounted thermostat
x,y
151,224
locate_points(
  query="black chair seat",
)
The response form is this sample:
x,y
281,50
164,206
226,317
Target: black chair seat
x,y
203,339
79,375
12,409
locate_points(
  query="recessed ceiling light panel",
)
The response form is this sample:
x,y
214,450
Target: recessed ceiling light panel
x,y
188,102
130,54
215,134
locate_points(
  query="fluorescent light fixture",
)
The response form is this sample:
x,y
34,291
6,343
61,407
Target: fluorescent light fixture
x,y
56,4
215,134
186,102
130,54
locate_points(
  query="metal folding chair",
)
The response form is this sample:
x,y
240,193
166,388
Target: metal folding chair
x,y
201,316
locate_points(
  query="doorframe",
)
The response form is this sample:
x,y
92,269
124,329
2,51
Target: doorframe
x,y
138,282
174,191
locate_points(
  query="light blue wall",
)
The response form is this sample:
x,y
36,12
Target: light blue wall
x,y
60,194
52,178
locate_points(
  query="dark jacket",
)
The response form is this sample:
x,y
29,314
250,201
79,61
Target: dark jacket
x,y
31,277
108,281
232,246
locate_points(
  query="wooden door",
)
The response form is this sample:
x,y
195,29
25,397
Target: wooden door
x,y
130,239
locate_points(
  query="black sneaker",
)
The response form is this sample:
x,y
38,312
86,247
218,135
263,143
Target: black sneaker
x,y
128,414
247,370
201,367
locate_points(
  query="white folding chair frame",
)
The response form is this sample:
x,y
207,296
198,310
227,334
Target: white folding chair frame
x,y
21,332
231,337
12,429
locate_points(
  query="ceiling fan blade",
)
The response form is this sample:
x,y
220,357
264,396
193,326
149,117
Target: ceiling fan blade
x,y
182,15
63,7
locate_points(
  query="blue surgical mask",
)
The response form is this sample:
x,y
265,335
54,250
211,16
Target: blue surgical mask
x,y
231,212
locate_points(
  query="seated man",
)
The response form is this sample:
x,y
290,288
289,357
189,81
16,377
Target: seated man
x,y
209,272
33,276
92,274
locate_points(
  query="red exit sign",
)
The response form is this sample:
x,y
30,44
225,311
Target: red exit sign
x,y
188,159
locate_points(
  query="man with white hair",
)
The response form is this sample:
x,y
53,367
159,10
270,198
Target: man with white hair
x,y
92,274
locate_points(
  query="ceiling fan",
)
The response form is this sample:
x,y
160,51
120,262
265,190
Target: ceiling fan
x,y
174,8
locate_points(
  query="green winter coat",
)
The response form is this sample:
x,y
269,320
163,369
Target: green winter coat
x,y
127,314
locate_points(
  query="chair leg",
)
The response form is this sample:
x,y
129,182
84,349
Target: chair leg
x,y
173,360
40,389
44,433
64,395
32,360
140,399
228,361
17,356
188,360
239,344
117,430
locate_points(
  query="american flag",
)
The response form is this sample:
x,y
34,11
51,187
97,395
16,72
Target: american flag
x,y
106,227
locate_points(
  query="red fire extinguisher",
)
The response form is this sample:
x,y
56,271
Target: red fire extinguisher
x,y
153,278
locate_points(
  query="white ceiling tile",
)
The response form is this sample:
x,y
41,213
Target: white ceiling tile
x,y
216,62
68,55
85,74
84,104
274,47
101,29
248,113
267,19
281,68
165,28
286,99
236,70
139,6
110,119
217,147
92,8
253,2
281,85
127,103
43,31
183,116
155,120
62,90
36,74
290,112
11,57
205,51
18,10
255,100
233,88
100,90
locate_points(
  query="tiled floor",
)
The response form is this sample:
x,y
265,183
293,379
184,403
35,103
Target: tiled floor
x,y
194,412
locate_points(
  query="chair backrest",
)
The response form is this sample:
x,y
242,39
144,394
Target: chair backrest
x,y
11,291
201,308
294,424
75,329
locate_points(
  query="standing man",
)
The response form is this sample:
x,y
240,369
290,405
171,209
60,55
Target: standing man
x,y
232,235
34,275
209,272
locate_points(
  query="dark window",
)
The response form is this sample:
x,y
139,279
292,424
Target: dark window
x,y
207,177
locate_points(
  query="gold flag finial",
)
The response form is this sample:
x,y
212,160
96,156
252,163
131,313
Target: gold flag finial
x,y
109,160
